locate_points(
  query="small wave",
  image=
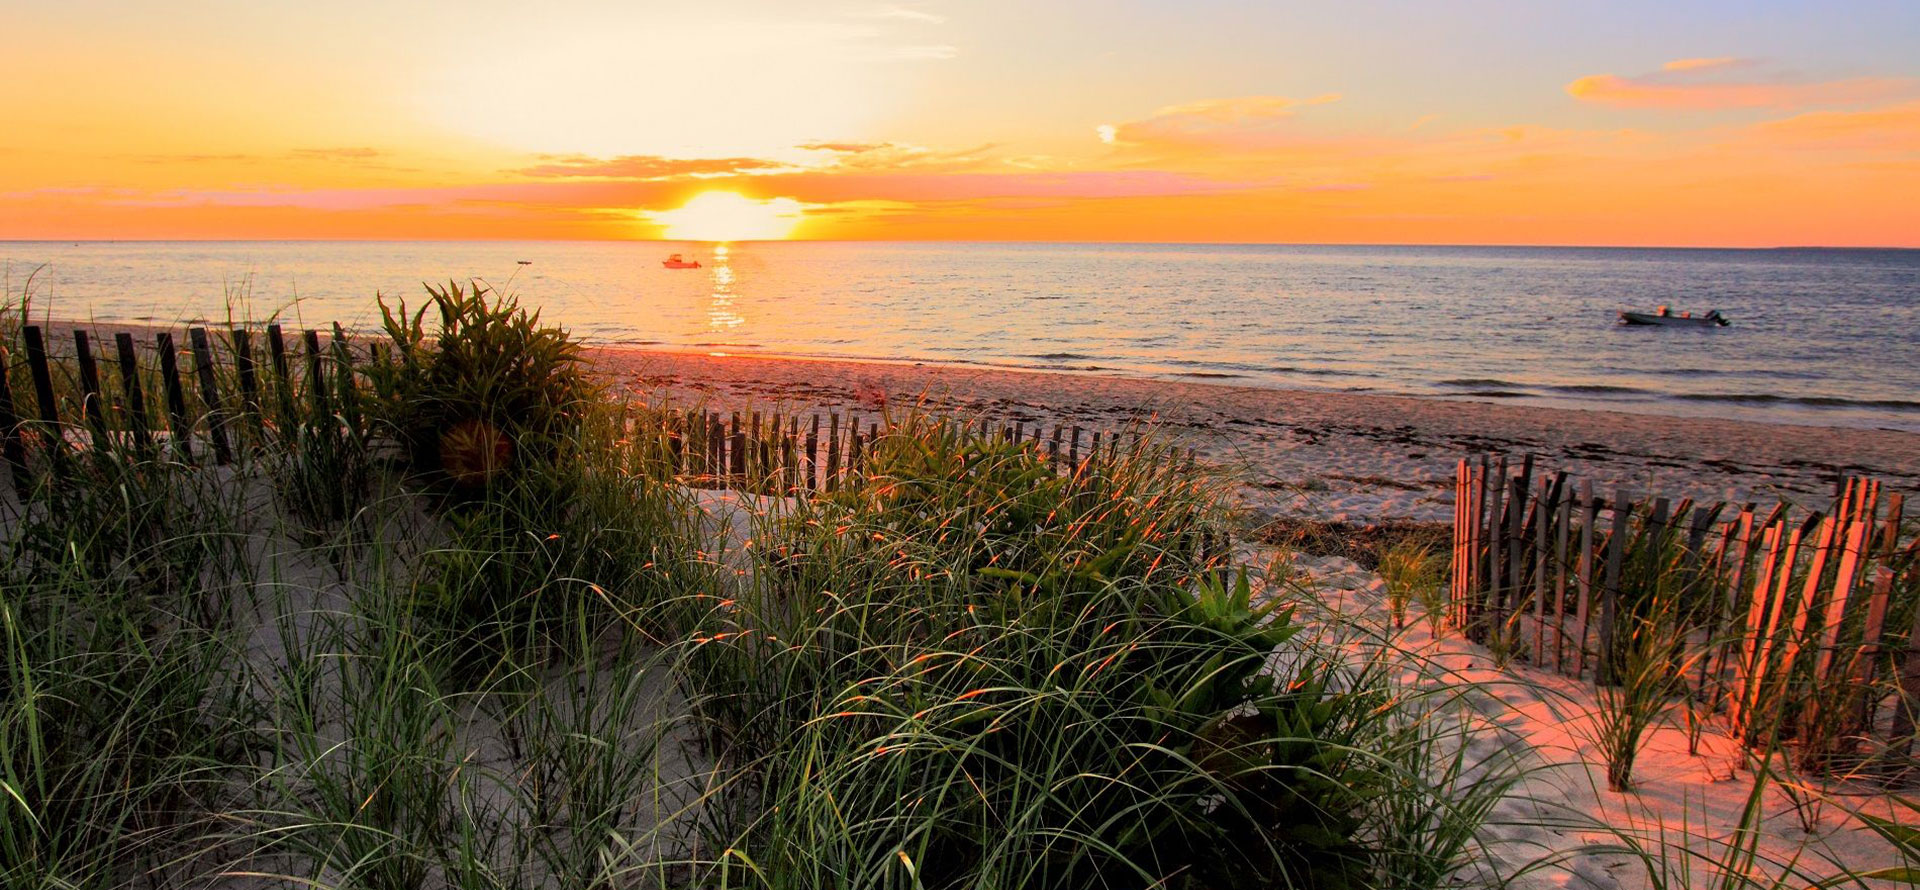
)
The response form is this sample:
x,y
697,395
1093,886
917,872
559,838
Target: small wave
x,y
1598,389
1056,356
1310,372
1762,398
1495,394
1207,375
1479,381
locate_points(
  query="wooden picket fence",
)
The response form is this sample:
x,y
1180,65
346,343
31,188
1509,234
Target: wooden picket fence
x,y
783,456
232,399
1809,624
212,410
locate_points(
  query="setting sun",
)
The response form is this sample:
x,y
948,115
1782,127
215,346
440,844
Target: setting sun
x,y
727,216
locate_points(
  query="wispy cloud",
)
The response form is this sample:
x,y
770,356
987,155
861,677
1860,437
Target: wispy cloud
x,y
359,153
1704,84
1233,121
927,52
644,167
1701,64
1894,128
905,13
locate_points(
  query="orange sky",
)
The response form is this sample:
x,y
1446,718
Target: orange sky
x,y
1484,122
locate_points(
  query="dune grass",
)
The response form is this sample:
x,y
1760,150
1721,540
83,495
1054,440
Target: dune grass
x,y
338,663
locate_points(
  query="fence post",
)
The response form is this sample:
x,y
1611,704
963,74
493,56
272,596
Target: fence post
x,y
814,480
1563,530
1583,578
1610,593
1456,588
316,379
10,440
48,407
1486,610
210,395
135,392
283,374
345,388
1778,601
833,451
176,396
1867,659
249,380
90,392
1759,604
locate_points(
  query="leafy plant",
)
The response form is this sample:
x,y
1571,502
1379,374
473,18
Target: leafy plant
x,y
490,390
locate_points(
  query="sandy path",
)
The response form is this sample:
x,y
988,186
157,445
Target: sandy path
x,y
1338,455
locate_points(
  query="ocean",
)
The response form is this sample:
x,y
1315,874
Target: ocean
x,y
1818,336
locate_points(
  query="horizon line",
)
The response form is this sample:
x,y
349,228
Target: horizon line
x,y
1455,244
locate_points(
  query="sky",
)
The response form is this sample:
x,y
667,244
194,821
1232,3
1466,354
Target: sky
x,y
1755,123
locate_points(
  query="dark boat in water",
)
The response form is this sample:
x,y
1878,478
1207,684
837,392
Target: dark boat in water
x,y
1662,317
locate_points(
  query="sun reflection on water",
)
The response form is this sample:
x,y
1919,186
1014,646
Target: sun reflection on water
x,y
722,313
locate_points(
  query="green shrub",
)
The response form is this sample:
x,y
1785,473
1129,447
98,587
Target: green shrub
x,y
491,390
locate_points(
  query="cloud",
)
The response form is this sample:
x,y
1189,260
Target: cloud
x,y
930,52
1891,128
897,156
644,167
1701,64
1239,121
843,147
361,153
1702,85
839,187
905,13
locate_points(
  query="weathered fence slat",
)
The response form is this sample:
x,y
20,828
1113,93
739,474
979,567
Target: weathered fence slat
x,y
282,373
1610,592
316,379
832,481
210,395
1584,574
1563,529
12,445
47,406
90,391
135,392
1866,660
177,419
814,482
345,387
249,379
1546,509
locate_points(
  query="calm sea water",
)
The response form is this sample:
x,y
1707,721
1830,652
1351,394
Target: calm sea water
x,y
1818,336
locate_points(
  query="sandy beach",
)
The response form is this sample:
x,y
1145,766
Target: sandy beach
x,y
1324,454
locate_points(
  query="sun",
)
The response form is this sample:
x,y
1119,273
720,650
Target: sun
x,y
728,216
